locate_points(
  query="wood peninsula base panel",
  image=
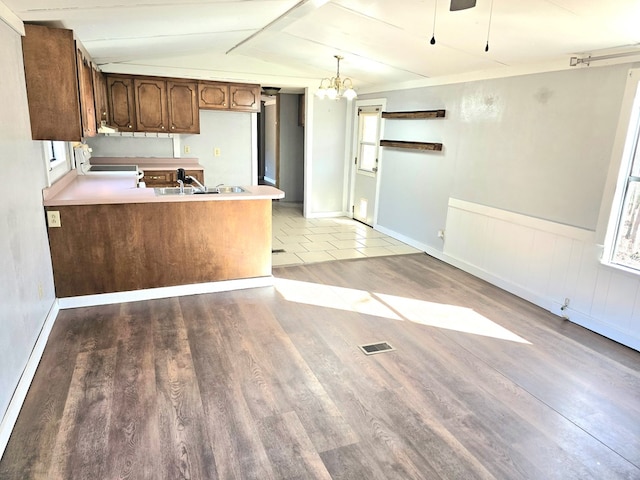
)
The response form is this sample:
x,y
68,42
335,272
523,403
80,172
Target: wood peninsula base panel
x,y
124,247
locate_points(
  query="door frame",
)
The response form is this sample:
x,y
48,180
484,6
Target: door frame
x,y
374,102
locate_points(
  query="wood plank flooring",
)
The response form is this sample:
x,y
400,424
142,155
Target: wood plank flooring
x,y
269,383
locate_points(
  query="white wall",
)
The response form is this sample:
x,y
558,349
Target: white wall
x,y
291,149
545,263
527,158
326,157
128,145
270,141
231,132
26,279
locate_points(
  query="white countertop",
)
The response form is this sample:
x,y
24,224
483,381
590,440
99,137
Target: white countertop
x,y
75,189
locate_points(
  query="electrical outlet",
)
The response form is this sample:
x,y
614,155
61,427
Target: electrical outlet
x,y
440,233
187,149
216,152
564,307
40,291
53,218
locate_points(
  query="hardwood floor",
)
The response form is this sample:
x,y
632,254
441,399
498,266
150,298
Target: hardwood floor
x,y
269,384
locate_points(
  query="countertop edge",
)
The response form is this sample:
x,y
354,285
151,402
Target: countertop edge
x,y
104,190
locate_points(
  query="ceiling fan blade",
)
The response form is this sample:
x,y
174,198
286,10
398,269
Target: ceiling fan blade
x,y
461,5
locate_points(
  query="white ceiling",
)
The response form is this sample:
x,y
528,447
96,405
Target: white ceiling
x,y
291,43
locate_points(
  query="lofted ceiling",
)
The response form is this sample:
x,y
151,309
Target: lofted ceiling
x,y
292,43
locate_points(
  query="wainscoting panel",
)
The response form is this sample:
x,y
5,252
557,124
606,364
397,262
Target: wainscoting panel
x,y
545,263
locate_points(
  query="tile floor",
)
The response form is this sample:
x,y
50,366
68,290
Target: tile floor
x,y
298,240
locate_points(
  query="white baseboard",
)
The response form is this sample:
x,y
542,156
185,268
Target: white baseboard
x,y
20,393
326,214
574,316
628,339
164,292
409,241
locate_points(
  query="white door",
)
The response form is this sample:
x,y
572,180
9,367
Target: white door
x,y
366,161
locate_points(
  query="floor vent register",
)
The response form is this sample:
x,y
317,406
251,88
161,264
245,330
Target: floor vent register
x,y
378,347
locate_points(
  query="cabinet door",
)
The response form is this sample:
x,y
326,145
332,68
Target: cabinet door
x,y
197,174
87,102
244,97
184,116
213,96
121,103
52,83
160,178
100,96
151,105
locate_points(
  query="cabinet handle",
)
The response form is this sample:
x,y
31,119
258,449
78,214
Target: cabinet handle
x,y
162,127
129,126
173,127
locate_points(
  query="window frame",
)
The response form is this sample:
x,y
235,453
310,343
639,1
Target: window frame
x,y
629,129
368,111
57,157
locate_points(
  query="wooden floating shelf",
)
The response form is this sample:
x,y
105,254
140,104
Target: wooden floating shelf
x,y
411,145
415,114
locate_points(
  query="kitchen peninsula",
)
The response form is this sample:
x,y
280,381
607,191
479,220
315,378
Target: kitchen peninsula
x,y
114,237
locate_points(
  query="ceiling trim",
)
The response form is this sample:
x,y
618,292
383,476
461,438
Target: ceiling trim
x,y
11,19
299,10
488,75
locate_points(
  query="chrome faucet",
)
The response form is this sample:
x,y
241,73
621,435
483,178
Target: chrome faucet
x,y
184,178
200,186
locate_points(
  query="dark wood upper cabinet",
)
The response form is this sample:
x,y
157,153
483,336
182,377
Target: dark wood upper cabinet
x,y
182,102
122,111
171,105
69,97
244,97
213,96
100,96
87,102
151,105
51,75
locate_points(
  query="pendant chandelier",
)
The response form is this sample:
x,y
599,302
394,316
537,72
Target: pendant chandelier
x,y
335,88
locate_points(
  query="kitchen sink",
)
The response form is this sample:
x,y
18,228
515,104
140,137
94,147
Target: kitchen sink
x,y
228,189
194,191
173,191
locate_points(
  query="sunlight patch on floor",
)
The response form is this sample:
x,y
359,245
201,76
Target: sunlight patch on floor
x,y
449,317
330,296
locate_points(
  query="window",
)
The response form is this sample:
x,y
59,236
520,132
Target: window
x,y
55,153
368,140
624,249
57,158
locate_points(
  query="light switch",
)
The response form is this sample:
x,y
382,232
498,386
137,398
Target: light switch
x,y
216,152
187,149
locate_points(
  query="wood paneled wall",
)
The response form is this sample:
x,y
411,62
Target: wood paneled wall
x,y
124,247
545,262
